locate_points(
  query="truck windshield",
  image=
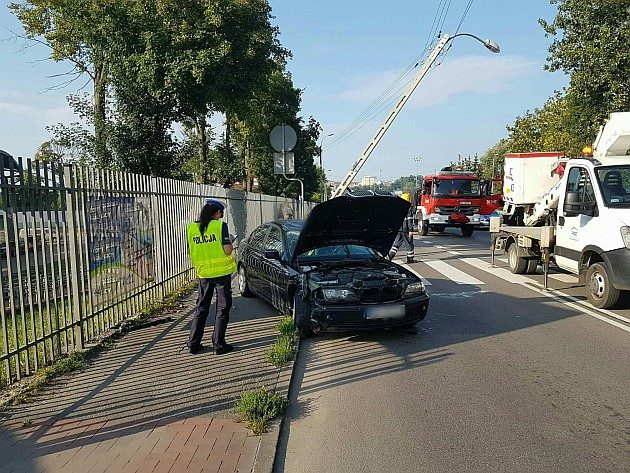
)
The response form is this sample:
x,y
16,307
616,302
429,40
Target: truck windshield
x,y
456,187
614,182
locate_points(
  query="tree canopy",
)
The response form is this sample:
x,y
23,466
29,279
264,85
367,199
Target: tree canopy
x,y
166,65
590,43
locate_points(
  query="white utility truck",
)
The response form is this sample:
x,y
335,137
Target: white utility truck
x,y
576,211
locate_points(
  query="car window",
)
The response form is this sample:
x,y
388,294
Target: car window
x,y
292,238
338,252
614,182
580,181
274,240
257,237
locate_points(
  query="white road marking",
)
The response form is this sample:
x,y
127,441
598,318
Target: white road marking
x,y
409,268
567,296
454,252
570,278
582,309
440,247
530,283
501,273
453,273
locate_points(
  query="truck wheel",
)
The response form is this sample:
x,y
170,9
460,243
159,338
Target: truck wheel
x,y
423,227
302,316
601,293
517,264
532,266
467,230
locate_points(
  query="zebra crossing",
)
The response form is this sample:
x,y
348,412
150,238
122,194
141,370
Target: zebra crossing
x,y
444,264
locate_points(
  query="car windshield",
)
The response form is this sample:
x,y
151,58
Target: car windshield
x,y
614,182
456,188
332,252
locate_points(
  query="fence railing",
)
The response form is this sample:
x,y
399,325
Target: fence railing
x,y
82,249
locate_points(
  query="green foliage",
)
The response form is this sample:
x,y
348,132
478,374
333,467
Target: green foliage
x,y
550,128
406,183
282,351
156,65
590,42
286,326
278,101
492,160
258,407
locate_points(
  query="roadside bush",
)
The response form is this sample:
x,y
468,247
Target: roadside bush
x,y
286,326
282,351
258,407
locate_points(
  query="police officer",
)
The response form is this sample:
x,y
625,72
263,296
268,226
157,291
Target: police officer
x,y
210,249
404,235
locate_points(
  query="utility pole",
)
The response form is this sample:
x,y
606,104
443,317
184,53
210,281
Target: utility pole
x,y
491,45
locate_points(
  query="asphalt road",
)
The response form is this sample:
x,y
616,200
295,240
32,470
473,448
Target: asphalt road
x,y
501,376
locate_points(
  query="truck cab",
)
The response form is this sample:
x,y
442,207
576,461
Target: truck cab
x,y
593,227
449,199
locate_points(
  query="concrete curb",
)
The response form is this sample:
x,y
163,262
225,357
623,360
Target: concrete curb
x,y
266,455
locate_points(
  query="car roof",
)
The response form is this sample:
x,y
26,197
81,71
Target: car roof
x,y
290,224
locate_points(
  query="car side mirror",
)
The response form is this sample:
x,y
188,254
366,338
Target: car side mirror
x,y
273,254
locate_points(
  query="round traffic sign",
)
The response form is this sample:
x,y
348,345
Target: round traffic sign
x,y
283,138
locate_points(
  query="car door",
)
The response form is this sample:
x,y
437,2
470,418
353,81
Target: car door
x,y
576,219
253,259
275,272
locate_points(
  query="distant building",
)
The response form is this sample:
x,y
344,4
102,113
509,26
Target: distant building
x,y
368,181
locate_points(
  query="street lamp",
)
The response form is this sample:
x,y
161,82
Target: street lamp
x,y
321,166
417,159
488,43
413,84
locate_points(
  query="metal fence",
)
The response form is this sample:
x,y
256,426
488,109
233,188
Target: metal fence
x,y
83,249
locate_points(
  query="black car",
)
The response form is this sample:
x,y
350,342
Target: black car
x,y
329,271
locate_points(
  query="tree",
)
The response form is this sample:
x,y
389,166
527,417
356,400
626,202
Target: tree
x,y
49,152
84,33
275,103
591,39
207,55
550,128
493,159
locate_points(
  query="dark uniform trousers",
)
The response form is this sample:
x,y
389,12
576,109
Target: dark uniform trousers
x,y
207,286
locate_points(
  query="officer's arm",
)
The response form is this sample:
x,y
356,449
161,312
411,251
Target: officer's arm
x,y
226,240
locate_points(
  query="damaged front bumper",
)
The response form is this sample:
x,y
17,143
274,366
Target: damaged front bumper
x,y
338,317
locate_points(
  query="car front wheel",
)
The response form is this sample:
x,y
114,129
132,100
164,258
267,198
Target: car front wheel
x,y
601,293
301,313
243,286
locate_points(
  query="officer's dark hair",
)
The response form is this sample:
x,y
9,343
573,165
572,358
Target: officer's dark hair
x,y
205,217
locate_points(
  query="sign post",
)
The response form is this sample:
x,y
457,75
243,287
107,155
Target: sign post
x,y
283,139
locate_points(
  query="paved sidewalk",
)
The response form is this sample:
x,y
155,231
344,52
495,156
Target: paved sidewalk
x,y
146,405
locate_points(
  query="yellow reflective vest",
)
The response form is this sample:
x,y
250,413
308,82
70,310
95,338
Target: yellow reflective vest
x,y
206,251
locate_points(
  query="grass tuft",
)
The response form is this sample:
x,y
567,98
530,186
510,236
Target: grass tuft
x,y
282,351
260,406
286,326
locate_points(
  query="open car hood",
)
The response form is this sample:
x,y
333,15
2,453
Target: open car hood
x,y
371,221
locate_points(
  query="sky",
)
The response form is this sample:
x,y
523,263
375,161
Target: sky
x,y
344,57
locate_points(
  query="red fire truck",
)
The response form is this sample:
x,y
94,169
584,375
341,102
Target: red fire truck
x,y
449,199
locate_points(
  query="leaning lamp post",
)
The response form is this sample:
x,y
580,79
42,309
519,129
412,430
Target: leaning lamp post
x,y
426,66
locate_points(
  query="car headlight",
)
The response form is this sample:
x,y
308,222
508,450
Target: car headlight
x,y
414,289
625,235
339,295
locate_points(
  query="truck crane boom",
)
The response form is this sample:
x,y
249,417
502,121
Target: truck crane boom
x,y
343,186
